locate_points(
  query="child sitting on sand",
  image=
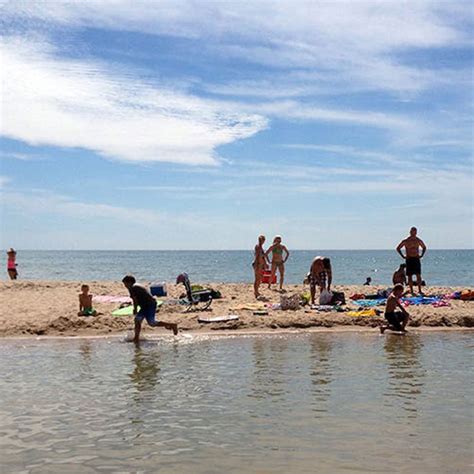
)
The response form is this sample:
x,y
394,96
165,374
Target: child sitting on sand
x,y
142,298
85,302
397,320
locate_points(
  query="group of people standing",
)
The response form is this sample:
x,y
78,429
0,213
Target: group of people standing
x,y
320,272
261,262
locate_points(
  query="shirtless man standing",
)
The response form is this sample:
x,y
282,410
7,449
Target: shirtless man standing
x,y
320,274
412,257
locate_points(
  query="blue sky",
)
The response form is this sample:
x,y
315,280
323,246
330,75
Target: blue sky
x,y
199,125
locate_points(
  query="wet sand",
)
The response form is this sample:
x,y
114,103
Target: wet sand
x,y
41,308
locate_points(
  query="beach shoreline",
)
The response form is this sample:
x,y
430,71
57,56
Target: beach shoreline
x,y
48,309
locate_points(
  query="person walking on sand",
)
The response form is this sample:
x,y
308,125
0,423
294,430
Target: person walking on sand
x,y
11,264
320,275
412,245
277,250
142,298
259,264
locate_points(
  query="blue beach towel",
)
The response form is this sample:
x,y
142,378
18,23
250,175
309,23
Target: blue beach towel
x,y
416,300
370,303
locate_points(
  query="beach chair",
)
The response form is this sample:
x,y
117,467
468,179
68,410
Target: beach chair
x,y
195,300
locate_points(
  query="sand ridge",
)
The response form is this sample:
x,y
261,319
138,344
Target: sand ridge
x,y
32,308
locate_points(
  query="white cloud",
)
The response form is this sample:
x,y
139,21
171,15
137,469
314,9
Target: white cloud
x,y
357,43
60,102
295,110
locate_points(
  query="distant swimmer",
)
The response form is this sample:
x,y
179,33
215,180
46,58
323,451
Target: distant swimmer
x,y
412,245
320,275
368,281
11,264
280,255
397,320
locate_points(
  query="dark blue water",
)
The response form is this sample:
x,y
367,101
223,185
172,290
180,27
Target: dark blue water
x,y
440,267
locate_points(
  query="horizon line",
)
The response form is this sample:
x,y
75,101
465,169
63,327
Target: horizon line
x,y
223,250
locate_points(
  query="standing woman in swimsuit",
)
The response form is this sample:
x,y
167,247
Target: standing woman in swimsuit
x,y
259,264
11,265
278,261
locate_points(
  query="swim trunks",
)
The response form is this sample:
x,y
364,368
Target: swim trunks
x,y
413,266
395,319
319,279
148,313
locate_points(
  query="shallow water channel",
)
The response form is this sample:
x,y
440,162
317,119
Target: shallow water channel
x,y
348,402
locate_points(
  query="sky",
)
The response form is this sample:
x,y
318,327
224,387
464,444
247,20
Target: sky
x,y
200,125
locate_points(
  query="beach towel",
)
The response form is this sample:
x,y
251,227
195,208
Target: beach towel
x,y
111,299
128,310
327,308
417,300
249,307
364,312
370,303
439,304
218,319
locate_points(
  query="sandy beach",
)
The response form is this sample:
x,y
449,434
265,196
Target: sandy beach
x,y
32,308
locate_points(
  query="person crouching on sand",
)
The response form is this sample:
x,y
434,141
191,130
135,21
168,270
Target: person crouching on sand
x,y
11,264
259,264
397,320
142,298
278,261
320,275
85,302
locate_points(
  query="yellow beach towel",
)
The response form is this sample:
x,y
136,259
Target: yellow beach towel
x,y
364,312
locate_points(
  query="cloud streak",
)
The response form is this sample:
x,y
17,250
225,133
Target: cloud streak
x,y
356,44
61,102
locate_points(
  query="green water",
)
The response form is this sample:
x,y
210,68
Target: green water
x,y
354,402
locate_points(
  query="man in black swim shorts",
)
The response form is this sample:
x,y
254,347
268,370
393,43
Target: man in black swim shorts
x,y
412,245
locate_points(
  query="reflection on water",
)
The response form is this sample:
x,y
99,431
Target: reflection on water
x,y
406,372
268,382
320,372
321,402
146,369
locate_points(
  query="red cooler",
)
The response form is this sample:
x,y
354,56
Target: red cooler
x,y
267,275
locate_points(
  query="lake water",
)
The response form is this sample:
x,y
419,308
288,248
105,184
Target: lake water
x,y
440,267
351,402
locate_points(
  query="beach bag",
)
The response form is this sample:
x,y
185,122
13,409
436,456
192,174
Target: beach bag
x,y
325,297
290,302
338,297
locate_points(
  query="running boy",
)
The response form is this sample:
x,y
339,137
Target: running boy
x,y
397,320
143,298
85,302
